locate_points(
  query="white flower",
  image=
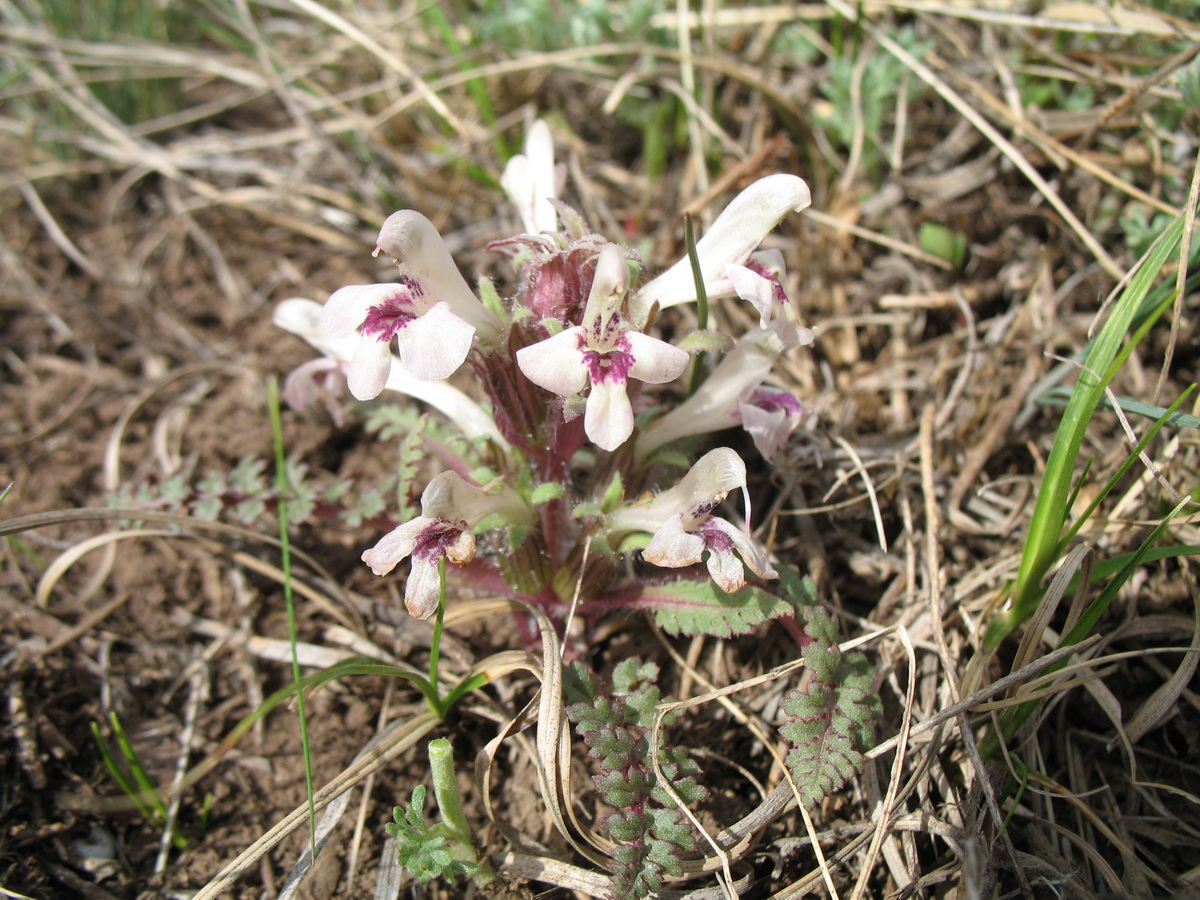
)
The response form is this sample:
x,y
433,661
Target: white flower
x,y
758,281
450,509
416,247
715,404
531,180
684,527
432,340
770,415
738,230
302,318
605,352
430,311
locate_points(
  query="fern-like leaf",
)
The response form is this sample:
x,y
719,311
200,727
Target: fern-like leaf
x,y
650,832
830,726
412,454
692,607
424,851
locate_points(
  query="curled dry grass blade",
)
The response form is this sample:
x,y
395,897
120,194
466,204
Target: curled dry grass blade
x,y
343,610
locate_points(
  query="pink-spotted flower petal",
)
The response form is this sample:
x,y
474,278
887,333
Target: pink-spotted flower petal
x,y
717,403
683,526
604,352
413,242
302,318
758,281
450,508
770,415
433,341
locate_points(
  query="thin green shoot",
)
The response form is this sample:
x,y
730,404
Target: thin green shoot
x,y
1016,716
1059,396
1123,469
1023,771
1046,526
450,806
1096,608
431,686
475,85
433,697
136,783
1045,387
689,237
460,690
355,666
285,549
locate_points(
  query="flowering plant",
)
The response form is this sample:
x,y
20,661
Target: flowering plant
x,y
577,468
569,463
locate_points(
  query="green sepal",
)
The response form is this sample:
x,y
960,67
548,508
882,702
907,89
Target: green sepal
x,y
488,522
612,494
483,475
491,299
672,458
545,492
634,541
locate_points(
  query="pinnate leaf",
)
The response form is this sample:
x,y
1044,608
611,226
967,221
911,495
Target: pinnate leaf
x,y
423,851
649,831
693,607
830,720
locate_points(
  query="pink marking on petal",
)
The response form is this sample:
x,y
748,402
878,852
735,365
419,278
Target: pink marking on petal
x,y
611,366
770,400
762,271
714,537
392,314
437,539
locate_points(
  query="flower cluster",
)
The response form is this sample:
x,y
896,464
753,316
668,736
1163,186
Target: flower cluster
x,y
568,457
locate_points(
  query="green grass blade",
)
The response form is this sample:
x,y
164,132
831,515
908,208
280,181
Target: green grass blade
x,y
475,85
119,776
1097,607
1050,510
1059,396
146,789
285,550
1123,469
1014,717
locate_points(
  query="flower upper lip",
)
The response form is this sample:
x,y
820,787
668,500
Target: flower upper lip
x,y
737,231
416,246
531,180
